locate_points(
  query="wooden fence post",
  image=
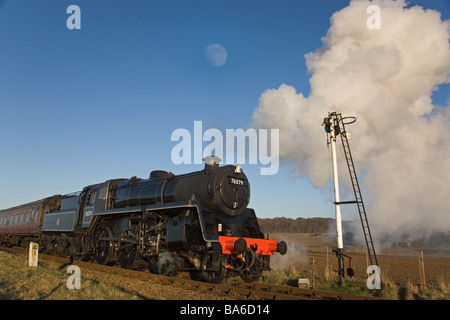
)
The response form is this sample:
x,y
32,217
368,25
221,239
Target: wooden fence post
x,y
423,283
313,262
292,256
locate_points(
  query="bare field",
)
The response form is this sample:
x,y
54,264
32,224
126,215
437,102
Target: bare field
x,y
398,265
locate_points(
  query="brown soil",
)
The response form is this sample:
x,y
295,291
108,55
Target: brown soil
x,y
141,288
399,265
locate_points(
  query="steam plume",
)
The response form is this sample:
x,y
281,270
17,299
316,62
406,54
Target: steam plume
x,y
385,78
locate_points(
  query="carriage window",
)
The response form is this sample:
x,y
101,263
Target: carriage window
x,y
32,214
27,217
16,219
22,215
36,214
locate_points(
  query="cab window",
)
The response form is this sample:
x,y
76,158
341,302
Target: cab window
x,y
90,198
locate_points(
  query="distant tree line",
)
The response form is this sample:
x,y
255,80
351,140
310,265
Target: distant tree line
x,y
328,225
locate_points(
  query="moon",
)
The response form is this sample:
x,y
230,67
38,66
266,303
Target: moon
x,y
216,55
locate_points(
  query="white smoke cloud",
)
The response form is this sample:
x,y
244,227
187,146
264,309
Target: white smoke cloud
x,y
385,78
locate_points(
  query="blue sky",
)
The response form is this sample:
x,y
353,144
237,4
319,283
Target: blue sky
x,y
78,107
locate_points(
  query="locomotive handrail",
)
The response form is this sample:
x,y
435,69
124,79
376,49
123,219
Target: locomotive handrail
x,y
157,206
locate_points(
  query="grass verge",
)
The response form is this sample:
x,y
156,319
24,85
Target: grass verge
x,y
20,282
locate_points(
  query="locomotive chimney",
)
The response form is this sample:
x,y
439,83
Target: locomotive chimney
x,y
211,162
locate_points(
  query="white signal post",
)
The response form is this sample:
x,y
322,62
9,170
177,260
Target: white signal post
x,y
340,241
332,127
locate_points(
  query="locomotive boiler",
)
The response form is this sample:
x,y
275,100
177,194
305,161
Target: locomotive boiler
x,y
197,222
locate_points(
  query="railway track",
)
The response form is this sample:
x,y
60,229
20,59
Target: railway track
x,y
238,290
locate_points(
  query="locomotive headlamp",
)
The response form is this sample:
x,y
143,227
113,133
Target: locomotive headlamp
x,y
238,169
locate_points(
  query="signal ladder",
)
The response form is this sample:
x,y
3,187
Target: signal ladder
x,y
356,189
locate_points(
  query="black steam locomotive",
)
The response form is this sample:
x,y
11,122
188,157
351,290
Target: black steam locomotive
x,y
196,222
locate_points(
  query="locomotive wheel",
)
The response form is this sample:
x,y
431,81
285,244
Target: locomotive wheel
x,y
104,249
195,275
60,250
74,251
163,264
128,256
50,247
210,276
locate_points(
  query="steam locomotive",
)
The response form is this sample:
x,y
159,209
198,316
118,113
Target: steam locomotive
x,y
197,222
